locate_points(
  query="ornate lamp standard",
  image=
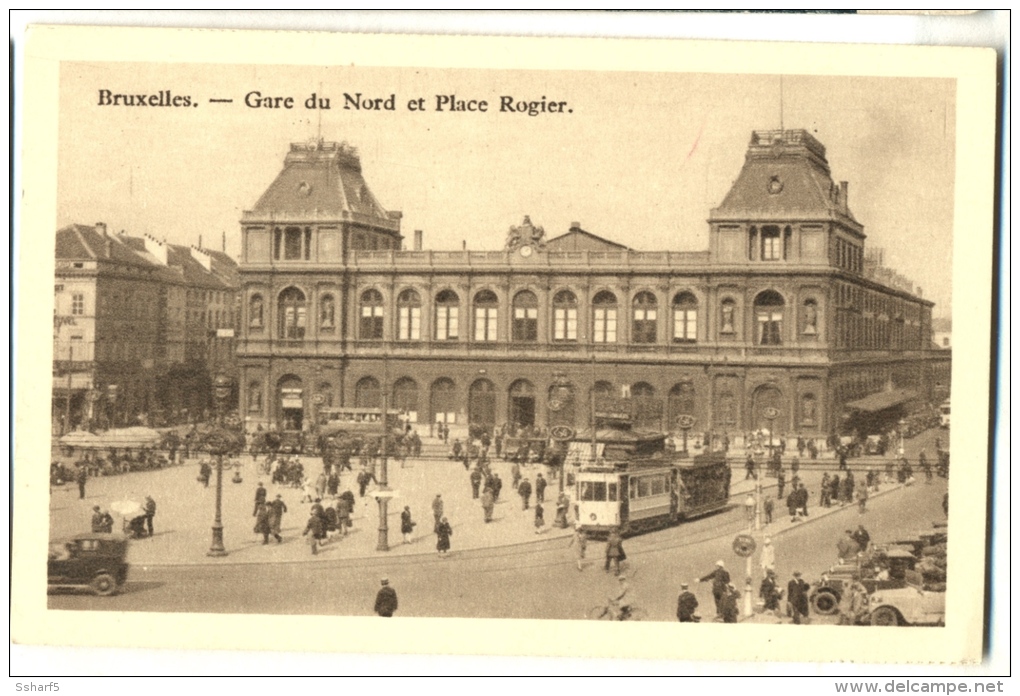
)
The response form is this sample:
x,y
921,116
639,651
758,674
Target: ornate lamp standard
x,y
218,442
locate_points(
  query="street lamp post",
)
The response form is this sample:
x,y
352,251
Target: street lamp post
x,y
382,494
903,436
218,443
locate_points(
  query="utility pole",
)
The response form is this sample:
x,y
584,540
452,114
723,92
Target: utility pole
x,y
67,397
383,492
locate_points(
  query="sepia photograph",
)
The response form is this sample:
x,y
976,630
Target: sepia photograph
x,y
507,340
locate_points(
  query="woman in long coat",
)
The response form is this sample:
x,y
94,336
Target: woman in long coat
x,y
406,524
443,533
263,525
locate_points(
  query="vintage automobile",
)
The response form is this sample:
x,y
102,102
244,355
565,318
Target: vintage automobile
x,y
827,593
95,562
912,605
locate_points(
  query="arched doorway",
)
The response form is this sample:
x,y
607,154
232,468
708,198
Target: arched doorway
x,y
482,403
522,403
680,402
290,394
443,401
647,409
405,397
367,393
763,400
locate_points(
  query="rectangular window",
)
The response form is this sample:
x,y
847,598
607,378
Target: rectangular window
x,y
446,323
409,324
526,324
485,324
565,324
605,326
770,326
612,492
658,485
372,322
644,325
77,304
292,244
685,325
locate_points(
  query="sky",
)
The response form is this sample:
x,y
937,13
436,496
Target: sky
x,y
641,158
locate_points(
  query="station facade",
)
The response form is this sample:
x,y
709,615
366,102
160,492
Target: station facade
x,y
784,322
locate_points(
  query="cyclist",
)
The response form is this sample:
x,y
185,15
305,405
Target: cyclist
x,y
621,603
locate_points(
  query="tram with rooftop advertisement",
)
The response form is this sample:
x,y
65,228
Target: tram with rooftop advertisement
x,y
634,484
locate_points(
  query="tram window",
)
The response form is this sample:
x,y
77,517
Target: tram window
x,y
644,488
586,490
658,485
600,491
612,492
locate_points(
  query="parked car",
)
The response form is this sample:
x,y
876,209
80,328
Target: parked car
x,y
827,593
95,562
912,605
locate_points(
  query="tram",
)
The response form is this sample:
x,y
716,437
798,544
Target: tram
x,y
635,485
357,421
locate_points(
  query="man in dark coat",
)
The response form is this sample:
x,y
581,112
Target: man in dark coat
x,y
862,537
260,499
476,481
729,604
276,510
797,596
386,600
263,522
80,477
769,591
102,522
524,490
781,483
720,578
497,486
150,512
540,484
686,605
614,550
316,528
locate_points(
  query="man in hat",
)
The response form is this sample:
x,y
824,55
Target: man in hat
x,y
797,596
150,512
276,510
260,498
729,604
102,522
686,605
622,601
720,578
385,599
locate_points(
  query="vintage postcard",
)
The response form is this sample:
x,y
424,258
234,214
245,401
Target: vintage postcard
x,y
533,346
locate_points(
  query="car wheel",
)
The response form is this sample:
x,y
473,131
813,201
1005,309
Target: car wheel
x,y
885,616
825,603
103,585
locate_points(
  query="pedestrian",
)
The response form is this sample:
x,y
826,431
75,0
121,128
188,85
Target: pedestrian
x,y
562,507
150,512
802,499
862,537
768,556
320,485
497,486
260,498
847,547
102,521
945,503
780,483
443,533
407,525
540,484
769,592
797,598
344,508
614,551
524,490
80,477
332,483
385,599
276,509
749,467
437,510
720,578
579,542
515,474
476,481
791,504
686,605
316,528
263,522
749,507
488,503
862,500
825,497
539,518
835,487
768,507
729,605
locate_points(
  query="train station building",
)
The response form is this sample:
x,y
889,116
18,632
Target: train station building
x,y
785,322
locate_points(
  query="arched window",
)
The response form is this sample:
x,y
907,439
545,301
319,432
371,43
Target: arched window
x,y
256,318
443,401
564,316
292,314
408,316
811,317
486,316
327,314
371,315
647,409
727,317
447,316
768,317
367,393
405,397
604,317
525,328
685,318
645,318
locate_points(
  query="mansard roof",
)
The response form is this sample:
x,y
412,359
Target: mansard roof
x,y
785,175
322,179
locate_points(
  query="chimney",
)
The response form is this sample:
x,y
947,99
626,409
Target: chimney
x,y
844,201
575,226
417,240
199,241
224,249
101,228
463,244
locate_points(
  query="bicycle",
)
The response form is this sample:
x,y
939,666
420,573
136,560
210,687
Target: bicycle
x,y
610,612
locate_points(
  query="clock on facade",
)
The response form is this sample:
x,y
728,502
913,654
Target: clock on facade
x,y
526,251
775,185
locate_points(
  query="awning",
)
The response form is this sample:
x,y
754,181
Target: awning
x,y
880,401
